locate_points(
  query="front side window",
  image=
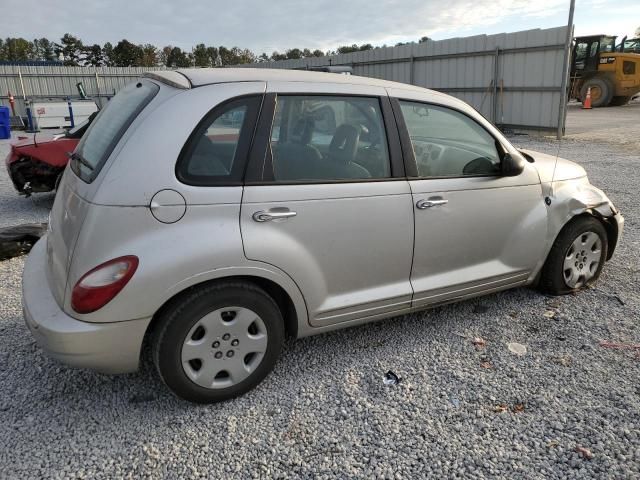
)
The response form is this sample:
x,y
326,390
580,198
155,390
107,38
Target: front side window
x,y
447,143
110,125
324,138
214,152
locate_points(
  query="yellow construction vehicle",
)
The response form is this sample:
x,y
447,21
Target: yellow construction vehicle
x,y
613,76
631,45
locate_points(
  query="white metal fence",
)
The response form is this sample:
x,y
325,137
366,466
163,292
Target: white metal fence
x,y
514,79
57,82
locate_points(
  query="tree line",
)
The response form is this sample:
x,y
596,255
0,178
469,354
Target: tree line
x,y
73,52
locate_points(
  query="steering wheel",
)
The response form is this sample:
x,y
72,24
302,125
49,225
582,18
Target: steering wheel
x,y
480,166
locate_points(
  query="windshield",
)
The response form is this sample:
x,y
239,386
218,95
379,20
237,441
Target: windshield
x,y
109,126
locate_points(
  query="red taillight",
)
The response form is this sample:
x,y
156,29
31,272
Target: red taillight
x,y
97,287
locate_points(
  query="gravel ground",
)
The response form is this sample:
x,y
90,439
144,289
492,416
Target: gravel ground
x,y
460,409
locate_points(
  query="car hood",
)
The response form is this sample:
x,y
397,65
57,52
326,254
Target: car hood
x,y
564,169
50,149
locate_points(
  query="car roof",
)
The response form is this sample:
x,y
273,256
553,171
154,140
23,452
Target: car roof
x,y
197,77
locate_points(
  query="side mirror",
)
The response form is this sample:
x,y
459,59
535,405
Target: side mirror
x,y
512,166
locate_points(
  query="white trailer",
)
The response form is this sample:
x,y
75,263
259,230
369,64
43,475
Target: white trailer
x,y
56,114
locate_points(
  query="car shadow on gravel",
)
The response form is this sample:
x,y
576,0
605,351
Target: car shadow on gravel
x,y
389,341
456,394
447,332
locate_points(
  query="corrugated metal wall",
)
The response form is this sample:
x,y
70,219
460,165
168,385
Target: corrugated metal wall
x,y
56,82
514,79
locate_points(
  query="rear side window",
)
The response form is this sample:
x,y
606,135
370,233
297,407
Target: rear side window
x,y
216,151
109,126
324,138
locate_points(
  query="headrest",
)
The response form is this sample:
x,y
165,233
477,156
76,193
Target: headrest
x,y
345,143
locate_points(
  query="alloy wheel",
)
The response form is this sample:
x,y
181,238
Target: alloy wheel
x,y
582,259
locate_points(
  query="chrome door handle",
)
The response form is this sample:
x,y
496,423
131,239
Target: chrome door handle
x,y
263,216
422,204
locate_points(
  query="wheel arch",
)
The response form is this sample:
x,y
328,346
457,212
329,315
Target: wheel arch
x,y
610,226
290,303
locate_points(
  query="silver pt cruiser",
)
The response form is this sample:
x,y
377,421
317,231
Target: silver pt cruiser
x,y
212,212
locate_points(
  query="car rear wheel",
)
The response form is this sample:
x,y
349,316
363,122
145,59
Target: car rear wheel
x,y
218,342
576,257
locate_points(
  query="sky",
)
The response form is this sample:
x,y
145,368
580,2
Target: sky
x,y
268,25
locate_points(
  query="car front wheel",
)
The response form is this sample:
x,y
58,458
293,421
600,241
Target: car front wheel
x,y
576,257
218,341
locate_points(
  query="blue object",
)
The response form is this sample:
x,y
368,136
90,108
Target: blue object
x,y
29,119
5,124
73,124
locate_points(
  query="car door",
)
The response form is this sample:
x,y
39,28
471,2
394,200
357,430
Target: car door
x,y
326,201
476,230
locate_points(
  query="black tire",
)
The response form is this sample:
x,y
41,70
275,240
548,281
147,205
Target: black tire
x,y
619,101
606,90
177,321
552,277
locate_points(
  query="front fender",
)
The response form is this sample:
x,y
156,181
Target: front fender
x,y
571,198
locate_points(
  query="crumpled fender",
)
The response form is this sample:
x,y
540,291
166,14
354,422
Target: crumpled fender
x,y
570,198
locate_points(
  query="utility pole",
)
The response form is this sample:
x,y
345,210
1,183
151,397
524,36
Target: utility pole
x,y
562,111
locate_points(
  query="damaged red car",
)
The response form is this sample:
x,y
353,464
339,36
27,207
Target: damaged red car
x,y
36,162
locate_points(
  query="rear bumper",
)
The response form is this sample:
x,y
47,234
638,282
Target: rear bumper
x,y
104,347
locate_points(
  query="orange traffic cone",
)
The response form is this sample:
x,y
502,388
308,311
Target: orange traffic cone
x,y
12,103
586,105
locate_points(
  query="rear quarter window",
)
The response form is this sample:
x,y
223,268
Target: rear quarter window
x,y
215,154
108,127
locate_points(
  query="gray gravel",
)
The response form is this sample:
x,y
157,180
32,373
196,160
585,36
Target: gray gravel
x,y
460,409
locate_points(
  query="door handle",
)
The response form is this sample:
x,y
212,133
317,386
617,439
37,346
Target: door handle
x,y
269,215
422,204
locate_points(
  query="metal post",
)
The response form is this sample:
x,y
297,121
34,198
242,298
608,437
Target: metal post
x,y
496,73
562,110
98,90
70,112
24,95
411,74
29,118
